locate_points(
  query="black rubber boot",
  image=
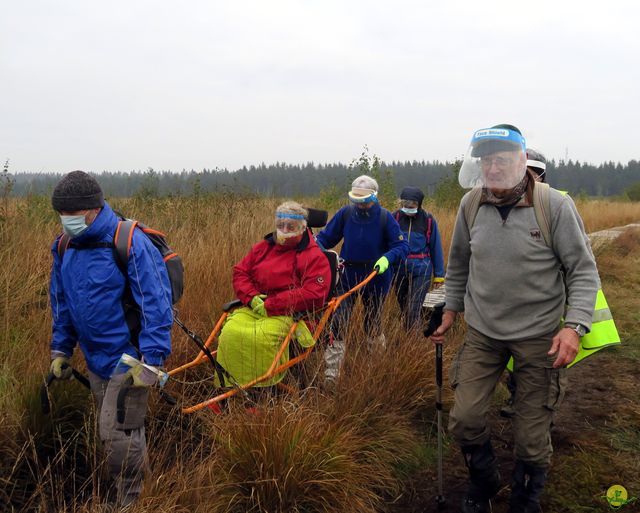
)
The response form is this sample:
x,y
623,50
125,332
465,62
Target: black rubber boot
x,y
526,488
484,479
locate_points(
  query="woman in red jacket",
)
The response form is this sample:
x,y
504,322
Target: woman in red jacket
x,y
284,273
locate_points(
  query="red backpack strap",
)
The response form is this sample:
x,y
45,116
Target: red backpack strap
x,y
429,219
122,242
397,216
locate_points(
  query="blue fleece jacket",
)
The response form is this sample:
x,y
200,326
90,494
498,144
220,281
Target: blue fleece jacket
x,y
367,237
365,240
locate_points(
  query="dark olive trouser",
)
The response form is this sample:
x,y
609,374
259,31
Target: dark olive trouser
x,y
124,444
474,374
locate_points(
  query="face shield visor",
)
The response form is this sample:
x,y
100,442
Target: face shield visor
x,y
538,167
496,159
360,195
289,227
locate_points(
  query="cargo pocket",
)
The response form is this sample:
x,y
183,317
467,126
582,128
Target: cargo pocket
x,y
557,380
135,408
454,369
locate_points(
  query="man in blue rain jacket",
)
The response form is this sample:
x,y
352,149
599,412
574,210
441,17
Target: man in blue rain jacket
x,y
425,259
86,290
371,240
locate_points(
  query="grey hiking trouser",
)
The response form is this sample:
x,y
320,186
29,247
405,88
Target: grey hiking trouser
x,y
474,374
124,444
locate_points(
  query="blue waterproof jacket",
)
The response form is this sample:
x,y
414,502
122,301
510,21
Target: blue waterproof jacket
x,y
86,291
367,237
425,256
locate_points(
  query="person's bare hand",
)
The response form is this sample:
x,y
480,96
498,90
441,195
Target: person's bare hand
x,y
565,344
448,318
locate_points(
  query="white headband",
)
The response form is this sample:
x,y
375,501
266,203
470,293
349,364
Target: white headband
x,y
536,163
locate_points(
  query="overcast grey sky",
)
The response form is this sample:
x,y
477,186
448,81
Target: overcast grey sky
x,y
125,85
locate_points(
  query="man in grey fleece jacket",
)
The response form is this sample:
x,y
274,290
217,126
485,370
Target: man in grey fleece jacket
x,y
510,286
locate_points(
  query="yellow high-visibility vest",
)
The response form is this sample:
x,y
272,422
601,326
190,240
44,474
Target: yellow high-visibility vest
x,y
603,331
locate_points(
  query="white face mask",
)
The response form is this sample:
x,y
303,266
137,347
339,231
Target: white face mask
x,y
73,225
409,211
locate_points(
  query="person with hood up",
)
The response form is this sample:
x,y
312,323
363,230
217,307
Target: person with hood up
x,y
425,260
372,240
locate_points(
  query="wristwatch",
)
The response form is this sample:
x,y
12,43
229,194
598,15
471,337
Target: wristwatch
x,y
578,328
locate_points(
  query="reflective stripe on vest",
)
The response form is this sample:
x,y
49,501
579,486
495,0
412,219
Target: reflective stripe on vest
x,y
603,329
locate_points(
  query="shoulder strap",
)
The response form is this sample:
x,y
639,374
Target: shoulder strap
x,y
542,210
383,222
428,234
472,206
63,244
122,242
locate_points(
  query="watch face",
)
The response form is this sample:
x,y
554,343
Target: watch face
x,y
580,330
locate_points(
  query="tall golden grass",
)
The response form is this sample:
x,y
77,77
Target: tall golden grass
x,y
305,452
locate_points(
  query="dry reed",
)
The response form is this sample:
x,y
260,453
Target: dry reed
x,y
308,452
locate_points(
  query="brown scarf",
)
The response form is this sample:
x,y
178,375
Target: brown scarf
x,y
511,197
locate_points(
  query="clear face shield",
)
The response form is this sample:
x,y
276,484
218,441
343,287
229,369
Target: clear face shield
x,y
539,168
289,227
496,159
363,198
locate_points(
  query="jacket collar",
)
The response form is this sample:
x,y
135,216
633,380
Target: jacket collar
x,y
104,224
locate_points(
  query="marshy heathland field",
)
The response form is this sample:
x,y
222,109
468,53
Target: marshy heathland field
x,y
368,448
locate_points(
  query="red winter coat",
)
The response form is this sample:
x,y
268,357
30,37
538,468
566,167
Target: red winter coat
x,y
294,279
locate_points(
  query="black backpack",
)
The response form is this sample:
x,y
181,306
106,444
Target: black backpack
x,y
121,248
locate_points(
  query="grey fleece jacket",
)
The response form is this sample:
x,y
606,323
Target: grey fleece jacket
x,y
509,282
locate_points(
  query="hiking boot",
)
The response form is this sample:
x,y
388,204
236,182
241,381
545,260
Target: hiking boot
x,y
333,357
526,488
484,478
476,506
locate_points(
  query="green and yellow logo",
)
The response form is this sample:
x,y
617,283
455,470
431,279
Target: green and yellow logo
x,y
617,497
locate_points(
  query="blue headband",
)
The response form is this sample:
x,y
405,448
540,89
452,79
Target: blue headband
x,y
284,215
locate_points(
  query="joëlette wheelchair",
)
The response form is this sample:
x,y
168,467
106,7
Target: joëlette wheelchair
x,y
208,348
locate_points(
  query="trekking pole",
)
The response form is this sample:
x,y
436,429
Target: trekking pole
x,y
434,322
44,389
219,369
440,500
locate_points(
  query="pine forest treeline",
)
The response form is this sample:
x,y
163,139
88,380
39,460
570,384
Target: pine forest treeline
x,y
294,180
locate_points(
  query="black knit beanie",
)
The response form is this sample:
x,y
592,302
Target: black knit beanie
x,y
77,191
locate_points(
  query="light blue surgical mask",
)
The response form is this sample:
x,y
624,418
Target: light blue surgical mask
x,y
73,225
409,211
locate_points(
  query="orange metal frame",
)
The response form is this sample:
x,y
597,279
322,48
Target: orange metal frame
x,y
274,368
